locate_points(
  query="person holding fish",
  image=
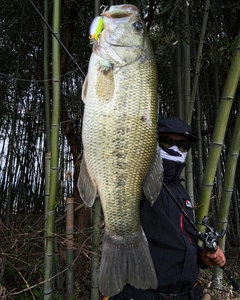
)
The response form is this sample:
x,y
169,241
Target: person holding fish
x,y
148,249
176,255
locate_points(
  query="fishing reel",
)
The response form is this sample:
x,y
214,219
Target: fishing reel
x,y
211,235
210,244
209,238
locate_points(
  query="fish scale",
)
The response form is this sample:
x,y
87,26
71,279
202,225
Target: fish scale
x,y
121,157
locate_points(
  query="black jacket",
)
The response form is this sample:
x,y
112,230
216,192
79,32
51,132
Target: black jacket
x,y
172,240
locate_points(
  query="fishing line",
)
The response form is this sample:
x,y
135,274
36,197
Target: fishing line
x,y
56,37
10,77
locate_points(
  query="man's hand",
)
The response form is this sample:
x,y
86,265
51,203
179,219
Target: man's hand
x,y
213,259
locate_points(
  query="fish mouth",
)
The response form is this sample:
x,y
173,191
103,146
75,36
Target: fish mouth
x,y
110,45
120,11
118,14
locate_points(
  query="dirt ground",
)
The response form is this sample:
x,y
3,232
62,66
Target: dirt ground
x,y
22,249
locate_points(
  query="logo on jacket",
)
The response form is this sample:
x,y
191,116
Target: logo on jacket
x,y
188,203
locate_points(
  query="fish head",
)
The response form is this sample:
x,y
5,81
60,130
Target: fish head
x,y
124,37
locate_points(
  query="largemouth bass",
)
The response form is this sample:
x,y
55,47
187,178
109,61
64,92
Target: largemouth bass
x,y
119,135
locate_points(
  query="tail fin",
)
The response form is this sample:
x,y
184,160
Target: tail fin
x,y
125,261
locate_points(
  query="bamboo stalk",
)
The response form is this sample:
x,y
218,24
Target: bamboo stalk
x,y
69,246
200,152
198,62
47,109
95,256
229,178
178,69
187,61
236,226
97,5
50,228
13,134
218,134
187,91
46,81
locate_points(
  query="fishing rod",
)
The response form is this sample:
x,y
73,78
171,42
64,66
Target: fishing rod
x,y
209,238
56,37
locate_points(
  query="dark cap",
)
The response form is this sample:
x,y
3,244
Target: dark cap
x,y
177,126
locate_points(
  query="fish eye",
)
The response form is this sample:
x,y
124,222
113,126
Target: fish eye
x,y
138,25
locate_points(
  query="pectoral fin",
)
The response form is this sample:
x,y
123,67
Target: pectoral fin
x,y
84,89
105,85
86,185
153,181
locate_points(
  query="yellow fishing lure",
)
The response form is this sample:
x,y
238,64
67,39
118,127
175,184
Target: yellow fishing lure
x,y
96,28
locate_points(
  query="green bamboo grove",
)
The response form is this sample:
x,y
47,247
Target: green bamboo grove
x,y
50,242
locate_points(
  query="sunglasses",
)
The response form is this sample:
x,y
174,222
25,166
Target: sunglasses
x,y
168,142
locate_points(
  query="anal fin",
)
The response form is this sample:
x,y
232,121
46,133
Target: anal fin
x,y
154,179
86,186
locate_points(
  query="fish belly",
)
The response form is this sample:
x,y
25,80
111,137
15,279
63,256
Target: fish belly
x,y
119,137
